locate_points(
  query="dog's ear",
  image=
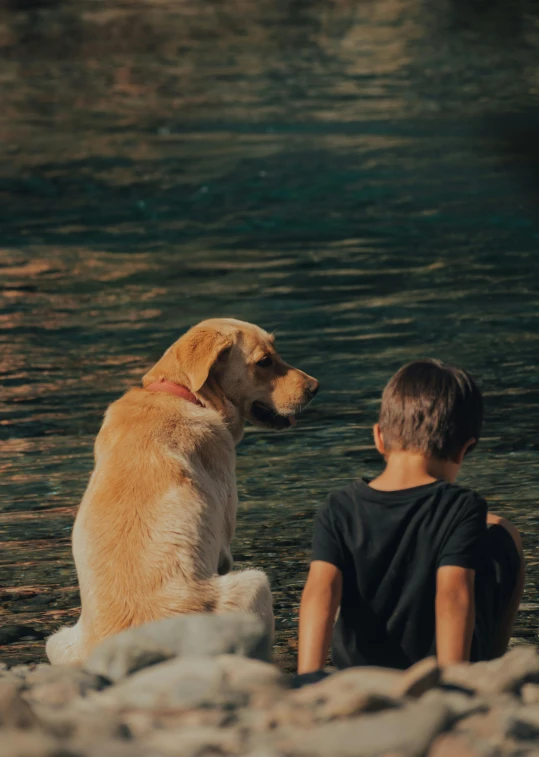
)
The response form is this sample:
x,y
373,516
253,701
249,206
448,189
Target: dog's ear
x,y
198,352
190,359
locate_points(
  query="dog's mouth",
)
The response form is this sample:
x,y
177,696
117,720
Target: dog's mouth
x,y
267,416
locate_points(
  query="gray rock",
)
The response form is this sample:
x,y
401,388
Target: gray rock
x,y
192,742
506,674
204,635
459,703
530,693
407,731
14,711
345,694
492,727
367,680
297,711
21,671
60,685
525,723
119,749
197,682
31,744
418,679
454,745
82,727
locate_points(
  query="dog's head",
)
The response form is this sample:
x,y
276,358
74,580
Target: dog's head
x,y
238,362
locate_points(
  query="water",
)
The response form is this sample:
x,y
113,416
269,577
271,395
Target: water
x,y
361,177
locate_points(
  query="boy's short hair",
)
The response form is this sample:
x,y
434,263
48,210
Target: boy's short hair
x,y
431,408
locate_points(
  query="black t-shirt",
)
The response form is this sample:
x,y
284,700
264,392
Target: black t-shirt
x,y
388,546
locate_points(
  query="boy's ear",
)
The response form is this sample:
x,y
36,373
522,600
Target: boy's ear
x,y
470,444
378,439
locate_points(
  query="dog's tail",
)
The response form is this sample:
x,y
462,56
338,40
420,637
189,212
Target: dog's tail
x,y
245,591
238,591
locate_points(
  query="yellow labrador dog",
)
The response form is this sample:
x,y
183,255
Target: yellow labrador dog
x,y
152,534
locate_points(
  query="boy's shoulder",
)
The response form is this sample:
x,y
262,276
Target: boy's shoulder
x,y
359,489
347,494
463,494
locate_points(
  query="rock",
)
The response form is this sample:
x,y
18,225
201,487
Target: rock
x,y
492,726
40,599
82,726
459,703
31,744
353,691
17,632
196,682
117,749
182,636
236,706
451,745
345,694
14,711
506,674
192,742
530,693
365,680
418,679
60,685
406,731
6,676
340,705
524,724
20,672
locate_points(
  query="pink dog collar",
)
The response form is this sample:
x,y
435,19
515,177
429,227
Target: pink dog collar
x,y
172,388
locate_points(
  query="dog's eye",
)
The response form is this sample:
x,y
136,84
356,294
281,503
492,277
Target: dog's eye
x,y
265,362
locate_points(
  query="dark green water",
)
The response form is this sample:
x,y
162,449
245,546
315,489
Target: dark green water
x,y
361,177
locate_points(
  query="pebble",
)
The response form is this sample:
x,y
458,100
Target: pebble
x,y
15,713
508,673
408,730
15,632
451,745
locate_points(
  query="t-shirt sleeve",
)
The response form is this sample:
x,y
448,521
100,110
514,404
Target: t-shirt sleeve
x,y
326,543
464,544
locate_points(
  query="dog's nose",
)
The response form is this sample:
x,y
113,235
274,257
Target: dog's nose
x,y
312,390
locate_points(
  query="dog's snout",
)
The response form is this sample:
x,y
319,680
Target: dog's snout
x,y
312,389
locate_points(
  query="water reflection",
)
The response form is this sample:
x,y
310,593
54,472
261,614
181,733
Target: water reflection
x,y
358,177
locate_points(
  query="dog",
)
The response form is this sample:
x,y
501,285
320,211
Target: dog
x,y
152,534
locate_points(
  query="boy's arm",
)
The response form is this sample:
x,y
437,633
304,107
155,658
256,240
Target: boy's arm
x,y
319,603
455,614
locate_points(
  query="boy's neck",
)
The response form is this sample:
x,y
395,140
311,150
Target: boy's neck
x,y
406,469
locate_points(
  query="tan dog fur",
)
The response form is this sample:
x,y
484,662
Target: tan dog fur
x,y
152,535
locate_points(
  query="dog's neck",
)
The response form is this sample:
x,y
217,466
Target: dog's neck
x,y
214,397
171,388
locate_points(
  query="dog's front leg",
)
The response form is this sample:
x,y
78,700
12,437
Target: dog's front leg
x,y
225,553
225,561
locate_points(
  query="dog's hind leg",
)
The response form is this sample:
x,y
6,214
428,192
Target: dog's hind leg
x,y
245,591
65,647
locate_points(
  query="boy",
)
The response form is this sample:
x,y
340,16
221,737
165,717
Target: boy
x,y
414,562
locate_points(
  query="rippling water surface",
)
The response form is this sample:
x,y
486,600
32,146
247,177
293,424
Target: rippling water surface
x,y
361,177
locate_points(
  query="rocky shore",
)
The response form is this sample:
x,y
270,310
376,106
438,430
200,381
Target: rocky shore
x,y
201,686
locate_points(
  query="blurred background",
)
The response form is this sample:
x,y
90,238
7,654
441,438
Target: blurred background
x,y
361,177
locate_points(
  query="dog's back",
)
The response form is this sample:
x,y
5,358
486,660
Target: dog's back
x,y
153,510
